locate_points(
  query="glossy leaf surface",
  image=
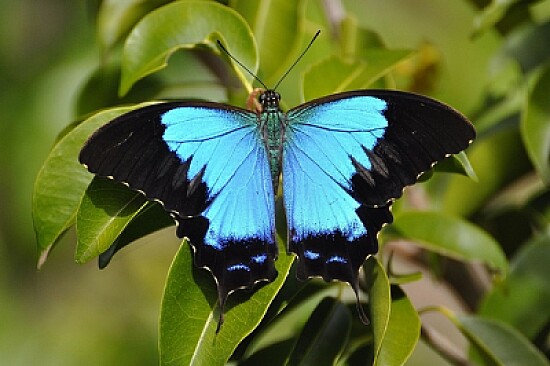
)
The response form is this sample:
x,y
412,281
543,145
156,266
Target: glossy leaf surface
x,y
185,24
452,237
189,313
56,198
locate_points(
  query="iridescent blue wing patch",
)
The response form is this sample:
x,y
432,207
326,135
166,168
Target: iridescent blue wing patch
x,y
345,158
206,163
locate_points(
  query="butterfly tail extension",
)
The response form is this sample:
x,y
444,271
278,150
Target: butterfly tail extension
x,y
235,264
360,311
336,256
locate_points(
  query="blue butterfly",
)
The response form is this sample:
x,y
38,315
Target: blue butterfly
x,y
215,168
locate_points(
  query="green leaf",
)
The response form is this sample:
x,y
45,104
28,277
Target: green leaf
x,y
379,62
401,278
451,236
151,218
535,125
492,14
402,333
378,289
324,335
334,75
277,29
497,11
101,90
498,343
186,312
329,76
116,18
523,299
275,354
527,45
197,81
189,313
290,321
360,355
532,261
106,209
491,155
61,182
356,42
186,24
457,163
311,18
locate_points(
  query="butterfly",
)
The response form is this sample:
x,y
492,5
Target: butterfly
x,y
215,168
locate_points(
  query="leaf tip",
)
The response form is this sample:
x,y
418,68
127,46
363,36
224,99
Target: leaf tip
x,y
43,257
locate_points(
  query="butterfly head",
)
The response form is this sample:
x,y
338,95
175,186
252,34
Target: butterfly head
x,y
269,100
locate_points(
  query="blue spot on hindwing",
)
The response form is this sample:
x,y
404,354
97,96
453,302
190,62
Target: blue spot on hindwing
x,y
259,259
337,259
238,267
309,254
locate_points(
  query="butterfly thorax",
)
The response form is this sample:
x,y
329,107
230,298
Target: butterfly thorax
x,y
272,126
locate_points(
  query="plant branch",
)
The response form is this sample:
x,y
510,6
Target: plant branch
x,y
443,347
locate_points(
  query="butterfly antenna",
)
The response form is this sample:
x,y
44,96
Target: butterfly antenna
x,y
298,59
240,64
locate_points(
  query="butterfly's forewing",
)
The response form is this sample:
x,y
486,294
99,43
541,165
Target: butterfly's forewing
x,y
345,158
207,165
421,131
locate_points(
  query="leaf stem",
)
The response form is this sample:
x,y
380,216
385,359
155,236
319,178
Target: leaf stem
x,y
443,347
440,343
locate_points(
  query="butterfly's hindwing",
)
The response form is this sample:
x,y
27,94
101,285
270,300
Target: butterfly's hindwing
x,y
209,168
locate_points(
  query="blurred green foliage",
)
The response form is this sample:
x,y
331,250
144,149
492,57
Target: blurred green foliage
x,y
61,62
